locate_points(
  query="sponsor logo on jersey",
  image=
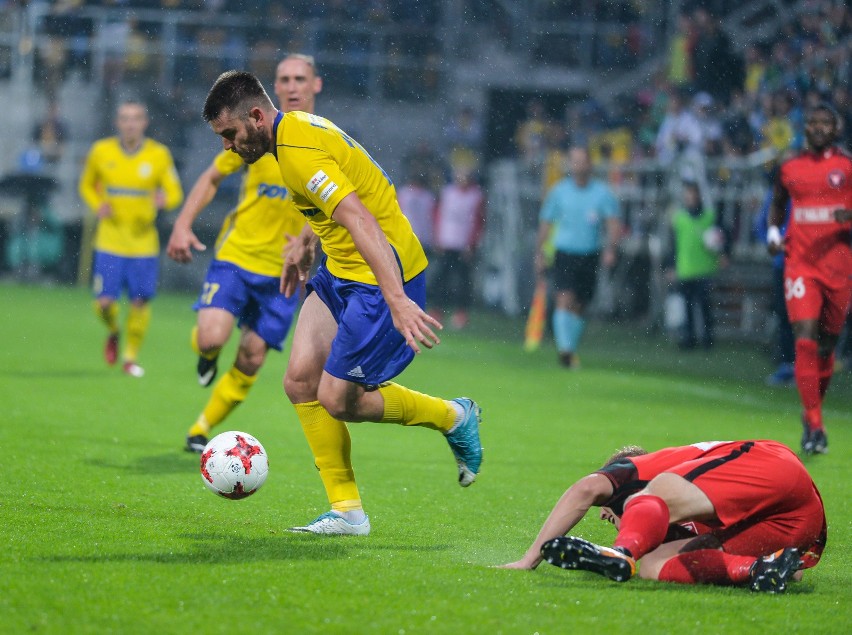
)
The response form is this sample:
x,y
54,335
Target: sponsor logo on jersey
x,y
330,189
145,170
272,191
308,213
836,179
807,215
316,181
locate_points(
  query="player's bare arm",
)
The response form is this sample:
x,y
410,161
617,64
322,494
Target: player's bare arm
x,y
594,489
410,320
777,212
182,240
299,254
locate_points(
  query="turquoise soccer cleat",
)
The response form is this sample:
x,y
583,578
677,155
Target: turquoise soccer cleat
x,y
464,441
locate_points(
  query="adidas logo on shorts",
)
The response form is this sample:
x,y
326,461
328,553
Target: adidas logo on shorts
x,y
356,372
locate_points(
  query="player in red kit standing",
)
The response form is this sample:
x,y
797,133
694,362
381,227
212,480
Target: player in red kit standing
x,y
818,259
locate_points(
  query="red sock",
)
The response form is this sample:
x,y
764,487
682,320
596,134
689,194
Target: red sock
x,y
644,525
826,370
706,566
808,381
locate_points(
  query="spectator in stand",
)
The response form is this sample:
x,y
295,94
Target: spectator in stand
x,y
738,139
779,132
698,243
755,69
680,63
679,133
459,221
418,202
553,169
840,97
423,161
463,137
531,132
50,134
703,106
718,69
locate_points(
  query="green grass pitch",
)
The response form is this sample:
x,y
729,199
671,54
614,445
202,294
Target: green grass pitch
x,y
107,527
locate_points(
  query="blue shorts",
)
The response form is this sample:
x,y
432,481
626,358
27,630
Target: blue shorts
x,y
254,299
113,274
367,348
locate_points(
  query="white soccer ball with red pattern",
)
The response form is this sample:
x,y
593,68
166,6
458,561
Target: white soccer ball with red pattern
x,y
234,465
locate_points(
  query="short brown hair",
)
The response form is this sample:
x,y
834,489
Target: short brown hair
x,y
232,90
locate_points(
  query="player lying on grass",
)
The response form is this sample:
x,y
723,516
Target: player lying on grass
x,y
732,512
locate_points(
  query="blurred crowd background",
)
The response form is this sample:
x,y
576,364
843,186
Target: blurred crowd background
x,y
660,92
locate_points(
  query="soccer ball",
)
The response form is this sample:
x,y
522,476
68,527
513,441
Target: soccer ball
x,y
234,465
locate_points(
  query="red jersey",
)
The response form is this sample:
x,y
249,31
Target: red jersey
x,y
819,184
632,474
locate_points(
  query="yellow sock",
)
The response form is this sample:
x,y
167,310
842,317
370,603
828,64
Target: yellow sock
x,y
201,426
108,315
138,318
331,446
228,393
412,408
193,342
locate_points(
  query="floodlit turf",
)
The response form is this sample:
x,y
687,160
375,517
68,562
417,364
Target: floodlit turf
x,y
107,528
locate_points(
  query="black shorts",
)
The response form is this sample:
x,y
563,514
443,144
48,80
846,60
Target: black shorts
x,y
576,273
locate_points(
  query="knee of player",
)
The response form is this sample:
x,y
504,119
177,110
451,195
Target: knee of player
x,y
210,340
250,361
299,389
335,405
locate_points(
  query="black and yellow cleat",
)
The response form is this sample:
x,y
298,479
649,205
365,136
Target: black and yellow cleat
x,y
570,552
771,573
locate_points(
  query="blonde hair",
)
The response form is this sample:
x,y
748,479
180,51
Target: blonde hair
x,y
626,452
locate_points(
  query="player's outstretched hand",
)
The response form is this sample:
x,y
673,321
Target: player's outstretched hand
x,y
181,243
843,215
520,564
415,325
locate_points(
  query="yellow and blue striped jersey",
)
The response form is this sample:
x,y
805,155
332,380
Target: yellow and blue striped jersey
x,y
321,165
129,183
253,235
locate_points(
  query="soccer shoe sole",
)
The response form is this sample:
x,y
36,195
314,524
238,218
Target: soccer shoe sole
x,y
569,552
777,571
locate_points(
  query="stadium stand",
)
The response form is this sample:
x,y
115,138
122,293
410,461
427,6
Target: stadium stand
x,y
604,71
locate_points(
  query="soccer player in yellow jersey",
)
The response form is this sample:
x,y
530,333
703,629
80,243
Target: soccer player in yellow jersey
x,y
126,180
242,282
363,319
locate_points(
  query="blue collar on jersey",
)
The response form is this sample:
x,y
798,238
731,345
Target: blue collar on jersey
x,y
275,134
